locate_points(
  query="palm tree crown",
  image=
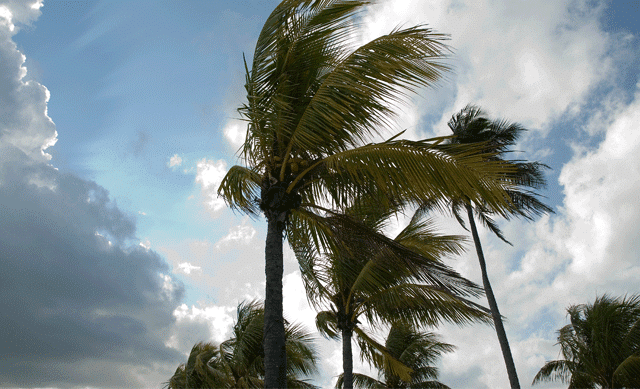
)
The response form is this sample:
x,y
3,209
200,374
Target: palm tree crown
x,y
238,362
314,100
601,346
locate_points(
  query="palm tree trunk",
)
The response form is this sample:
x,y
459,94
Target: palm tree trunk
x,y
275,356
497,319
347,358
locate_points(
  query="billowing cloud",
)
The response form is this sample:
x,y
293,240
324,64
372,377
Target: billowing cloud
x,y
200,323
79,294
524,61
209,175
24,122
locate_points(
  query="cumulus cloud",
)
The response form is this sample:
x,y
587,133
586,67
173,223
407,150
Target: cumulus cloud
x,y
209,175
24,122
528,62
200,323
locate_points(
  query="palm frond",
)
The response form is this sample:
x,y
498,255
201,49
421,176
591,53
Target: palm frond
x,y
377,355
361,381
554,371
423,305
353,100
416,171
627,374
327,324
240,189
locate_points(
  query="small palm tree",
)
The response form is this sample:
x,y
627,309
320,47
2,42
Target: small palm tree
x,y
471,126
383,281
416,350
314,100
239,361
601,346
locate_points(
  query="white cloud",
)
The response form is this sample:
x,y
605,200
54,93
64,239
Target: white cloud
x,y
235,132
187,268
195,324
175,161
529,71
209,175
242,233
24,122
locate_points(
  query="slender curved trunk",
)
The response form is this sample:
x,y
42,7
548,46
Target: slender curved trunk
x,y
347,359
275,356
502,335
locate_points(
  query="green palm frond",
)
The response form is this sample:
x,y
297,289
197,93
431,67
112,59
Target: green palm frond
x,y
423,304
327,324
353,100
416,171
240,189
361,381
420,235
301,352
627,374
378,356
554,371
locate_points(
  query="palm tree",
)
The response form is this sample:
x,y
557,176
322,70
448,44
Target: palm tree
x,y
239,361
471,126
601,346
382,280
415,349
314,101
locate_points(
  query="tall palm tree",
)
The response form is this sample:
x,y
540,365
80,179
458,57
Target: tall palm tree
x,y
601,346
383,281
239,361
415,349
471,126
314,100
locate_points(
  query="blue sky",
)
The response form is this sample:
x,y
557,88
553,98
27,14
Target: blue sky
x,y
114,238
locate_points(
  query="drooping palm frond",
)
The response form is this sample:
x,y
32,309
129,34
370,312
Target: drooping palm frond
x,y
377,355
361,381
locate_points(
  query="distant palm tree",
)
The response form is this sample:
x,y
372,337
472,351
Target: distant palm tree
x,y
314,100
471,126
239,361
601,346
415,349
383,281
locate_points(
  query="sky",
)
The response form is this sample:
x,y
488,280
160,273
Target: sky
x,y
118,120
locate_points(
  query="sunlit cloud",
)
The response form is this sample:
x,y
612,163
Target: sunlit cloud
x,y
209,175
